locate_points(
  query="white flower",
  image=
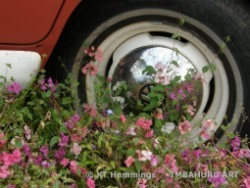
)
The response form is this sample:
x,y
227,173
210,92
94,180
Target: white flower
x,y
119,99
117,85
144,155
147,154
168,127
109,112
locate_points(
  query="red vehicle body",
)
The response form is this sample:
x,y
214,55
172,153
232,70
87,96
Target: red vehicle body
x,y
33,25
60,28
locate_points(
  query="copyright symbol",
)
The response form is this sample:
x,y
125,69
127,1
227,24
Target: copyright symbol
x,y
89,174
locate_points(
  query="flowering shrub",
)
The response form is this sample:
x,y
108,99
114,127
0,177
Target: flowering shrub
x,y
44,142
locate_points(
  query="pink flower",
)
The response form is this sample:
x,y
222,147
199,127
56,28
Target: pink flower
x,y
109,79
190,110
99,55
141,183
63,140
182,93
48,85
149,134
160,77
11,186
45,164
91,69
189,88
144,124
204,135
129,161
154,160
170,161
76,149
235,143
90,183
60,153
84,131
131,131
70,123
202,167
123,118
160,65
64,162
197,153
103,122
14,88
90,110
158,114
244,153
27,132
208,124
90,51
217,179
16,156
73,167
185,127
172,96
186,155
76,137
246,182
155,142
2,140
144,155
4,172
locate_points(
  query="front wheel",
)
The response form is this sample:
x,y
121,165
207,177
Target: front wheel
x,y
149,30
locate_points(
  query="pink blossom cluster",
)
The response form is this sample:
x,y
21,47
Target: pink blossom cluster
x,y
7,160
14,88
90,110
48,85
145,124
206,126
95,55
71,122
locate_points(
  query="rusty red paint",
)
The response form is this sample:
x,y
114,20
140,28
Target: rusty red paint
x,y
33,25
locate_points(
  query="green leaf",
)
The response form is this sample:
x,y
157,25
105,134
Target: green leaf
x,y
112,164
138,165
8,65
56,184
174,36
149,70
181,21
154,102
222,47
136,140
175,63
212,67
26,112
2,77
54,141
205,69
100,140
19,143
130,152
56,117
18,131
46,94
1,102
228,39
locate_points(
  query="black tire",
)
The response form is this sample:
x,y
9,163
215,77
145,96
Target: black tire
x,y
223,17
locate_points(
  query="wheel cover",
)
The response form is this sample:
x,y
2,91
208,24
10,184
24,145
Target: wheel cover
x,y
122,42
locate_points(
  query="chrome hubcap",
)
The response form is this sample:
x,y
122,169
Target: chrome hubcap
x,y
171,63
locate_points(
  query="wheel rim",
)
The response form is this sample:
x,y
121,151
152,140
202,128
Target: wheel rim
x,y
122,42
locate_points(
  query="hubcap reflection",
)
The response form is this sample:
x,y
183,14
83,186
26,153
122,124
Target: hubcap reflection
x,y
169,62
